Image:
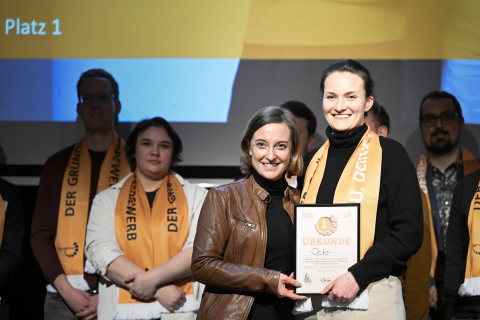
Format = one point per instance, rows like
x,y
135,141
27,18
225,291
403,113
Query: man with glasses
x,y
70,180
438,171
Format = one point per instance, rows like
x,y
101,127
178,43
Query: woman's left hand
x,y
142,287
342,289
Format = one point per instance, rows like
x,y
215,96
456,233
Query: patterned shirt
x,y
444,185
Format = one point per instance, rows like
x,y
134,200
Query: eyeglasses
x,y
429,120
102,97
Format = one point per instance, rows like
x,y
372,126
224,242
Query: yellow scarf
x,y
471,285
359,183
2,219
150,237
74,200
470,164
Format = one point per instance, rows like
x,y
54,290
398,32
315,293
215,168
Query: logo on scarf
x,y
327,226
476,250
70,251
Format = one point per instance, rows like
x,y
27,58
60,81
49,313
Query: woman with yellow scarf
x,y
355,165
141,231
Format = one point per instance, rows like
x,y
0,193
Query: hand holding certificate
x,y
342,289
327,244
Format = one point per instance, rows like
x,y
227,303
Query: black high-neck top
x,y
279,252
151,196
274,188
342,146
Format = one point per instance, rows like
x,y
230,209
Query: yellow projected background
x,y
255,29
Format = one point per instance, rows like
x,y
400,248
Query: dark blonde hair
x,y
266,116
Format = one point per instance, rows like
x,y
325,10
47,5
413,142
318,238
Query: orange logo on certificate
x,y
327,226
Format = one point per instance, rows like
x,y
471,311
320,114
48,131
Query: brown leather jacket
x,y
229,248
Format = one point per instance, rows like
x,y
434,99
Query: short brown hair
x,y
99,73
442,95
300,110
379,115
266,116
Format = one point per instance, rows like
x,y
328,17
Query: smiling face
x,y
441,137
344,101
98,117
153,153
270,149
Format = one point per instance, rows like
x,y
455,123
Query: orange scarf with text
x,y
359,183
74,201
151,237
470,164
471,285
2,219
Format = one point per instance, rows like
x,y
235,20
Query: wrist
x,y
352,276
62,284
155,277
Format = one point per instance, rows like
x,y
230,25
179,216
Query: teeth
x,y
341,116
269,164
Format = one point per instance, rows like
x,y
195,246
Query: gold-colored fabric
x,y
337,52
74,200
470,164
473,254
416,282
151,237
359,183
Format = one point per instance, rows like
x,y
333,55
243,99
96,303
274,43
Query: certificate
x,y
327,239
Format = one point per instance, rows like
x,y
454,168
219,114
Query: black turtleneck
x,y
274,188
399,219
280,230
279,253
342,146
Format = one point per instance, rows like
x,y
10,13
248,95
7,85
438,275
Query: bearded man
x,y
438,171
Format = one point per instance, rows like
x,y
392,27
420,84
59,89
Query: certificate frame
x,y
339,219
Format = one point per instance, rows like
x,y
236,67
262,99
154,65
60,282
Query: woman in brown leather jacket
x,y
244,246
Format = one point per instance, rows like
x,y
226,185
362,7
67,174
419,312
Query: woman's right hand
x,y
286,286
342,289
171,297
